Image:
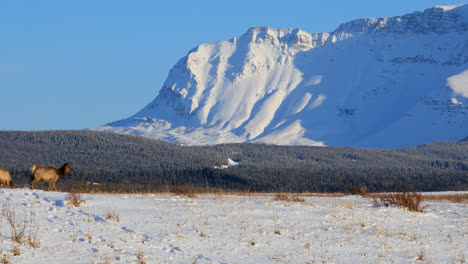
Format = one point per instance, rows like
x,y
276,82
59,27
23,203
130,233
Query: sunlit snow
x,y
228,229
459,83
380,83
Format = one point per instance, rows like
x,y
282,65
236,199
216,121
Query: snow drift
x,y
379,83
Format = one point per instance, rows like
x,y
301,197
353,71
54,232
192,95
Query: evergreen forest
x,y
104,157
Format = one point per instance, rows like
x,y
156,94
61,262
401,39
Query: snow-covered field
x,y
230,229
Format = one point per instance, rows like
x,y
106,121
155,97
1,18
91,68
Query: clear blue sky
x,y
79,64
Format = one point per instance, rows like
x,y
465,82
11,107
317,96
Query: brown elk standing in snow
x,y
48,174
5,178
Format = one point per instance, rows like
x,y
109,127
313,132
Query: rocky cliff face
x,y
386,82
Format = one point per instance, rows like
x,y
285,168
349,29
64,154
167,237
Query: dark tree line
x,y
102,157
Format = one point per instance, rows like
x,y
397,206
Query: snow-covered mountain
x,y
379,83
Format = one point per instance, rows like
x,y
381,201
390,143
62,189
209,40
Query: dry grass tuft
x,y
106,260
74,198
276,230
16,250
185,190
32,238
4,260
286,198
421,256
281,197
141,257
411,201
112,215
359,189
453,198
89,237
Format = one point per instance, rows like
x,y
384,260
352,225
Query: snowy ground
x,y
231,229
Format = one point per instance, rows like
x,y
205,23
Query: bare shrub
x,y
74,198
23,229
411,201
185,190
17,226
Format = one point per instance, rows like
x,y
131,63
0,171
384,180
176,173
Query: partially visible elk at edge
x,y
5,178
48,174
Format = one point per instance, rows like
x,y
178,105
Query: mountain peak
x,y
380,83
282,36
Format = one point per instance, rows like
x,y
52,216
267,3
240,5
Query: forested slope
x,y
100,156
115,158
431,167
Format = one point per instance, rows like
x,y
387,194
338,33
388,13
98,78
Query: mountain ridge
x,y
439,19
371,83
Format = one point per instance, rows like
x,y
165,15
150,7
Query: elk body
x,y
48,174
5,178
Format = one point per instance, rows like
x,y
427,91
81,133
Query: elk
x,y
5,178
48,174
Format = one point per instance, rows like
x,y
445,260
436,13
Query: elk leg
x,y
32,183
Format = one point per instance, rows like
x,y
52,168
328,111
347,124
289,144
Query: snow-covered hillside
x,y
386,82
228,229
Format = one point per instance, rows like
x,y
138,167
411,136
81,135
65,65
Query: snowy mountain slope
x,y
387,82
